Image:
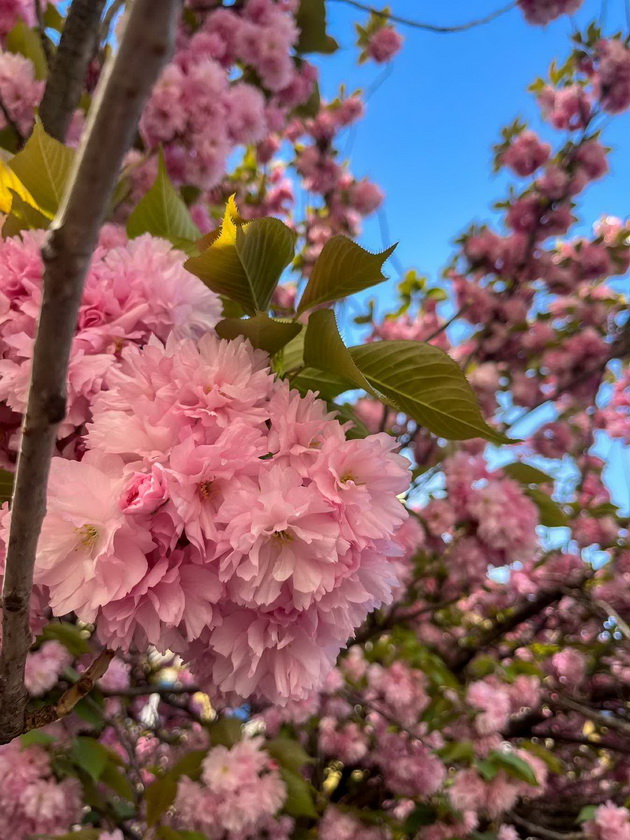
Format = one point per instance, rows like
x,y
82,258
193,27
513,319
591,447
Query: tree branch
x,y
70,698
76,49
540,831
500,627
430,27
111,126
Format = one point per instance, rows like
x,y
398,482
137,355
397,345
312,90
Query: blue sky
x,y
431,121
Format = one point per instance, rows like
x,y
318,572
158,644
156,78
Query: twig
x,y
41,25
430,27
541,831
67,253
69,699
108,19
147,690
67,76
621,624
610,722
446,324
500,627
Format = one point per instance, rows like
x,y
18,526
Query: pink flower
x,y
239,789
89,553
526,153
542,11
384,44
493,703
44,666
609,823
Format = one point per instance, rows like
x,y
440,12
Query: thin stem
x,y
76,50
430,27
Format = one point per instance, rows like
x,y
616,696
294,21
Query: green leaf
x,y
52,18
27,42
288,753
43,166
325,383
526,474
420,816
299,802
69,635
311,21
586,813
6,485
190,765
162,212
36,736
90,755
457,751
159,797
324,350
167,833
551,760
513,765
87,712
342,269
263,332
425,383
245,261
117,781
226,731
551,514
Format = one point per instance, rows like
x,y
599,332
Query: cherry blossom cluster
x,y
239,793
221,515
122,304
32,800
200,115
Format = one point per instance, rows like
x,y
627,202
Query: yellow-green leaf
x,y
43,166
299,801
261,330
245,261
23,216
342,269
27,42
11,185
162,212
324,349
551,514
425,383
90,755
159,797
311,21
526,474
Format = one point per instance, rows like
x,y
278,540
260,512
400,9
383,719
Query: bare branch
x,y
70,698
111,126
430,27
41,25
67,77
514,619
540,831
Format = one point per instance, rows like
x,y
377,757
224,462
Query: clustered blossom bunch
x,y
239,793
199,115
32,800
543,11
122,304
221,515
